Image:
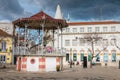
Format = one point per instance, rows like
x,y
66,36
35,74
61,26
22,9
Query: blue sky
x,y
79,10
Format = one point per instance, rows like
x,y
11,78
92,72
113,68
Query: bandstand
x,y
34,43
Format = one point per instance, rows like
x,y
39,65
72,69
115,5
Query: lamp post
x,y
70,57
13,46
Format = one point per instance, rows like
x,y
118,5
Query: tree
x,y
33,38
92,39
115,41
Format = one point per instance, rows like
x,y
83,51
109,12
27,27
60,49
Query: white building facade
x,y
106,50
71,42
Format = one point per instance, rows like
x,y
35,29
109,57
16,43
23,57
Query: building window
x,y
82,29
89,29
82,42
3,48
113,57
113,28
104,29
74,42
2,58
74,57
105,57
74,30
89,56
105,42
67,29
97,29
67,57
67,42
113,42
82,56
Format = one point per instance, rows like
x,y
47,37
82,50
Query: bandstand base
x,y
40,63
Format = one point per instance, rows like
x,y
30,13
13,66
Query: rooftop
x,y
93,23
4,34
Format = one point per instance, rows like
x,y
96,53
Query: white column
x,y
43,25
43,39
25,33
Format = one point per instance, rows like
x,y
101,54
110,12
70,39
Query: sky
x,y
78,10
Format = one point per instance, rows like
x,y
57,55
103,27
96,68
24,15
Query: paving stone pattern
x,y
75,73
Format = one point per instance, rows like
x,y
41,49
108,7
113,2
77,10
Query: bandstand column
x,y
29,43
25,35
38,49
39,45
43,25
43,39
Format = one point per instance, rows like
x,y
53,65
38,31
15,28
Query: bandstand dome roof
x,y
37,20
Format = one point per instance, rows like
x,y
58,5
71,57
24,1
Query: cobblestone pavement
x,y
75,73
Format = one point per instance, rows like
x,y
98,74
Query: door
x,y
85,62
51,64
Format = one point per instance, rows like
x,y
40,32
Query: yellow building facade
x,y
5,47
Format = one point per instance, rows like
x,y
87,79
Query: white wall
x,y
107,35
7,27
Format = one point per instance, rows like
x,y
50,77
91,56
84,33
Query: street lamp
x,y
70,57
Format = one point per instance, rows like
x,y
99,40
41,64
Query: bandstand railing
x,y
20,51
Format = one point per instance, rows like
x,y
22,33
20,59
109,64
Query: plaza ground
x,y
75,73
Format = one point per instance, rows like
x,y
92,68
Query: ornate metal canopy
x,y
36,21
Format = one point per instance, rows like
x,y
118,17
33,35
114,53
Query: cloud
x,y
4,21
11,10
84,9
77,9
